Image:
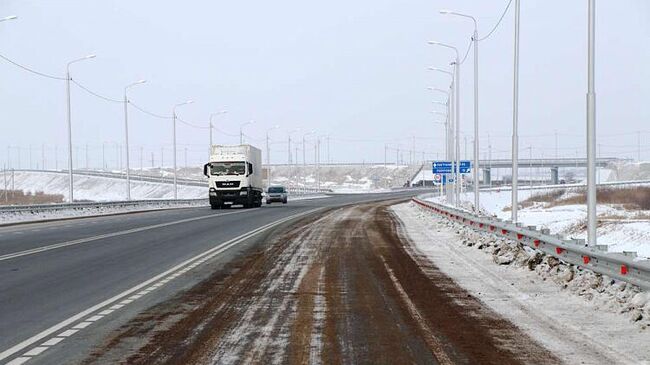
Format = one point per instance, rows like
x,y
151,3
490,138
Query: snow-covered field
x,y
580,317
620,229
94,188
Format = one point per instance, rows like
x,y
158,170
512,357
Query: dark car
x,y
276,194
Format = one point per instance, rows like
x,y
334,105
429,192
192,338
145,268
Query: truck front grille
x,y
227,184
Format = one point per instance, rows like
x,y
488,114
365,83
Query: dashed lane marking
x,y
95,313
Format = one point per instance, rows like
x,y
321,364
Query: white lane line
x,y
53,341
106,312
82,325
68,333
36,351
208,254
109,235
19,361
94,318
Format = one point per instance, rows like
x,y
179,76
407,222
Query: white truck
x,y
235,176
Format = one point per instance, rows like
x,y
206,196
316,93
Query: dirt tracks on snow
x,y
344,287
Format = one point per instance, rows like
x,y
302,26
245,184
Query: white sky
x,y
353,70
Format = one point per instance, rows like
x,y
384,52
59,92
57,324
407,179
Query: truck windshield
x,y
227,168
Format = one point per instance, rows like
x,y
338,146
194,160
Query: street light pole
x,y
476,139
591,127
268,156
212,127
241,131
451,116
126,136
69,118
515,119
174,138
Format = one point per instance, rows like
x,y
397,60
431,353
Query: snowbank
x,y
580,316
620,229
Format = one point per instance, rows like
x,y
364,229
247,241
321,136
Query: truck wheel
x,y
214,206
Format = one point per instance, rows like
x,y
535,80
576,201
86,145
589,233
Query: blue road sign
x,y
446,167
442,167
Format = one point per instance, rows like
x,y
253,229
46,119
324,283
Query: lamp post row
x,y
590,125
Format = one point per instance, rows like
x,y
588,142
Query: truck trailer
x,y
234,176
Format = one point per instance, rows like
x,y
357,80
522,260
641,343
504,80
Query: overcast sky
x,y
354,70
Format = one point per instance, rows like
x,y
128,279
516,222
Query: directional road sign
x,y
446,167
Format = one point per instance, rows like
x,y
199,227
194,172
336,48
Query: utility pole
x,y
556,146
515,119
638,146
329,161
591,126
126,137
174,140
69,119
43,156
103,156
86,156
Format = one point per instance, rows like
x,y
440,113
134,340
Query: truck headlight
x,y
243,192
213,192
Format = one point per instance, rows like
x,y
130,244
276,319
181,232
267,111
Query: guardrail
x,y
622,266
84,205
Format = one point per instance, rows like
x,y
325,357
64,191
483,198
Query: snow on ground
x,y
581,317
625,232
92,188
36,215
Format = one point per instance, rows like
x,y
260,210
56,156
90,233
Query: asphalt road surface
x,y
66,285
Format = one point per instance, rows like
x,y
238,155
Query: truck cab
x,y
234,176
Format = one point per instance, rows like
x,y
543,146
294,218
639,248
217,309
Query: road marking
x,y
35,351
109,235
53,341
19,361
68,333
172,272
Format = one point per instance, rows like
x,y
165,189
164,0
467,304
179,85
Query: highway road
x,y
66,284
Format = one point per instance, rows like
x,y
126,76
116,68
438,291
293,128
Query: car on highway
x,y
276,194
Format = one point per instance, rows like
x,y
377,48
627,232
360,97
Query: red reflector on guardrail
x,y
492,228
559,250
623,270
520,236
586,259
503,231
536,242
480,225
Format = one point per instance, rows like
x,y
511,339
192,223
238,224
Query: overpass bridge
x,y
554,164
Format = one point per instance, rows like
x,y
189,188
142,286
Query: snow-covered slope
x,y
620,229
100,188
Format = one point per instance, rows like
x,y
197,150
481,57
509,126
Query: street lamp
x,y
126,136
304,161
515,120
476,139
68,115
456,83
268,155
174,137
241,130
591,125
212,126
10,17
289,133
